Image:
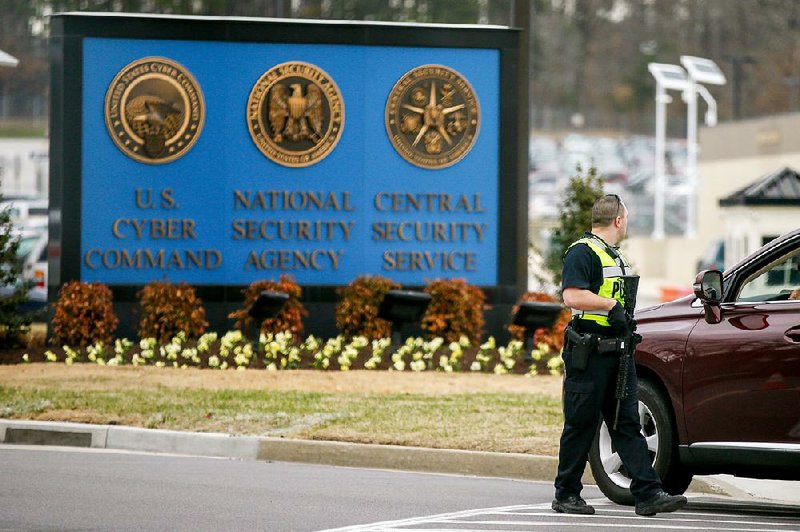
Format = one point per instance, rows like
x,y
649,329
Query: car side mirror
x,y
708,289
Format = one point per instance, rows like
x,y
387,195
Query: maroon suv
x,y
719,377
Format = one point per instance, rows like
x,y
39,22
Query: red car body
x,y
733,385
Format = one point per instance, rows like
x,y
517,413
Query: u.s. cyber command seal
x,y
432,116
154,110
295,114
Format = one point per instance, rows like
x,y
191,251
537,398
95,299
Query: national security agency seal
x,y
432,116
154,110
295,114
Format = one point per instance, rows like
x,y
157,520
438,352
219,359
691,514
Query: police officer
x,y
590,285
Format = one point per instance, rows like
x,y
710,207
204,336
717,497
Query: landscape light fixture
x,y
668,77
267,305
533,315
401,307
700,70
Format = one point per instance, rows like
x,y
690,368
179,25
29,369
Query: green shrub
x,y
84,314
168,309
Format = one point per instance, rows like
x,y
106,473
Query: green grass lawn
x,y
485,420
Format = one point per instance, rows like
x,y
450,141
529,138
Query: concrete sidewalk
x,y
485,464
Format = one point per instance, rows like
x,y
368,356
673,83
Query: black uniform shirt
x,y
583,270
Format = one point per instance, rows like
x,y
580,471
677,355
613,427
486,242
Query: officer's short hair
x,y
606,209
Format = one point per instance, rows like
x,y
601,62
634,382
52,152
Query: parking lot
x,y
702,513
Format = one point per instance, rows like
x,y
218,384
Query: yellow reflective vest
x,y
613,269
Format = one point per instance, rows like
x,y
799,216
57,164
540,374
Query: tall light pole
x,y
668,77
700,70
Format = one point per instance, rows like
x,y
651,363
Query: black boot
x,y
661,503
572,505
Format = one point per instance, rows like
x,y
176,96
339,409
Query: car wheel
x,y
659,431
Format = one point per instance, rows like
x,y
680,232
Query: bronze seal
x,y
432,116
154,110
295,114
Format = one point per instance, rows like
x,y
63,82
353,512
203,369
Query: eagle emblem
x,y
295,114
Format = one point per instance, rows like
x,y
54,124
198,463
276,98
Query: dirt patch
x,y
92,377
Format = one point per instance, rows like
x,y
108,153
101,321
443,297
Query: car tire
x,y
658,429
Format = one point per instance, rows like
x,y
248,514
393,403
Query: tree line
x,y
587,56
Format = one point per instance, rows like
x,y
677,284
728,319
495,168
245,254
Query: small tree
x,y
14,289
575,218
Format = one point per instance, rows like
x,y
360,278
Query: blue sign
x,y
223,213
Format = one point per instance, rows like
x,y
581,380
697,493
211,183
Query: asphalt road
x,y
46,488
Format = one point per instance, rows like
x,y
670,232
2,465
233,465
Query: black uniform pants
x,y
588,394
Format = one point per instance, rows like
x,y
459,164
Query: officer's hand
x,y
619,320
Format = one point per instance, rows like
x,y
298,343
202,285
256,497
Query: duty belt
x,y
603,345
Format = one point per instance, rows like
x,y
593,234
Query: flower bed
x,y
283,351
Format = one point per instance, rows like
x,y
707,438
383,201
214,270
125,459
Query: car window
x,y
777,281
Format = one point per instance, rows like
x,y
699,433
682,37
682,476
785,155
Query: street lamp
x,y
668,77
8,60
706,71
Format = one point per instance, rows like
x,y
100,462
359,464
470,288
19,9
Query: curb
x,y
448,461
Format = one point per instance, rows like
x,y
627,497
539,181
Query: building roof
x,y
780,188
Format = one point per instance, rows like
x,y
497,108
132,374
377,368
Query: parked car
x,y
719,377
713,258
32,254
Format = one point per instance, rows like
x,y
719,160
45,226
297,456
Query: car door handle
x,y
793,334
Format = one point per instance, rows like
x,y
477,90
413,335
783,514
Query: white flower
x,y
448,368
272,367
326,362
399,365
213,361
418,365
50,356
26,358
476,366
489,344
68,361
464,341
160,364
241,368
500,369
